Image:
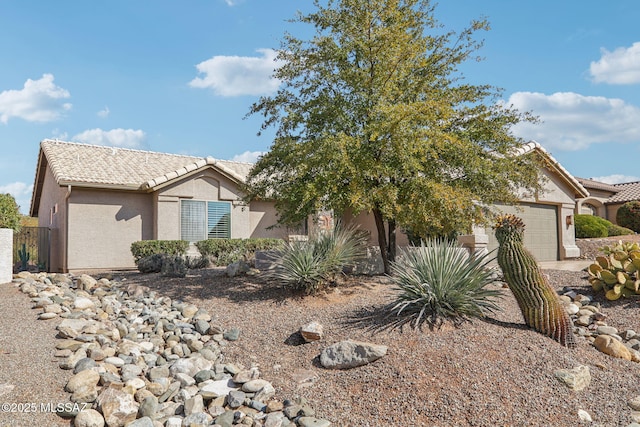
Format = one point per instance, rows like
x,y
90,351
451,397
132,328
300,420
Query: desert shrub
x,y
173,266
311,265
223,252
629,216
590,226
9,212
197,262
616,230
145,248
439,281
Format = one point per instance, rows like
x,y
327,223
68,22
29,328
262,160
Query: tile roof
x,y
627,192
597,185
112,167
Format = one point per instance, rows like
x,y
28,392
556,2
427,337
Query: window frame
x,y
206,218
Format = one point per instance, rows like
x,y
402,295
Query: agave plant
x,y
439,281
311,265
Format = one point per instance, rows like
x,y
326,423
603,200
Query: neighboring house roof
x,y
98,166
627,192
597,185
554,166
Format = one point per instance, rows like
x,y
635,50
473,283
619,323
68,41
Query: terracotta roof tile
x,y
597,185
626,192
96,165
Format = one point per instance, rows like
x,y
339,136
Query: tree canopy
x,y
374,116
9,212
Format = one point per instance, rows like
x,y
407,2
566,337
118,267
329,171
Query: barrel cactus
x,y
537,300
616,271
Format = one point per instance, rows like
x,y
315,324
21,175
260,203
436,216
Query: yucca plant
x,y
311,265
440,281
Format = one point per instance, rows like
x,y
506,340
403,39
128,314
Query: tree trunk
x,y
382,240
391,250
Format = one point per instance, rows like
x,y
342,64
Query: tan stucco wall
x,y
52,213
263,215
102,226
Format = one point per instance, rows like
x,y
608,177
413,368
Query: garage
x,y
541,229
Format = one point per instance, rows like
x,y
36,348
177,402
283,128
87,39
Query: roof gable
x,y
554,166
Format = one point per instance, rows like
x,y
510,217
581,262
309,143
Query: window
x,y
201,220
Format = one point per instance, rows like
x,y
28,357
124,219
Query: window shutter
x,y
219,220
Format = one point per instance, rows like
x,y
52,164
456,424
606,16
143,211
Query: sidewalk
x,y
569,265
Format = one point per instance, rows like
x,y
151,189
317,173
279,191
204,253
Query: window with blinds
x,y
201,220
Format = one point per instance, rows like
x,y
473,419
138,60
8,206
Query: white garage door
x,y
541,229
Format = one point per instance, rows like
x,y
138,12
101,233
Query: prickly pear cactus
x,y
616,272
538,301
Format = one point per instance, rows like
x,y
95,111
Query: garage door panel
x,y
541,229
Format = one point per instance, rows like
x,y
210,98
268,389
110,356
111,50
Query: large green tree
x,y
374,116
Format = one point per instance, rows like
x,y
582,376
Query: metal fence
x,y
31,249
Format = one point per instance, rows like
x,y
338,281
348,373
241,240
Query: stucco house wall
x,y
102,226
262,219
98,200
52,213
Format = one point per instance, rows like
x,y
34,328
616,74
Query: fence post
x,y
6,255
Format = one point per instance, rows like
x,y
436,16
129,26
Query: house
x,y
604,200
97,200
548,216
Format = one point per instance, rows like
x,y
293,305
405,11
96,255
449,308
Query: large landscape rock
x,y
576,379
351,354
611,346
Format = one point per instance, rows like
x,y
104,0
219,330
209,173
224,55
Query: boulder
x,y
117,406
611,346
88,418
350,354
576,379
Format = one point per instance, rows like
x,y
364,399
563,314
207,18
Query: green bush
x,y
440,281
223,252
629,216
591,226
9,212
313,264
616,230
145,248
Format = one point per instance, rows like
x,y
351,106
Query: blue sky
x,y
179,77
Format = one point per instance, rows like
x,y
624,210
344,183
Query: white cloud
x,y
570,121
616,179
126,138
239,75
620,67
104,113
38,101
21,192
232,2
248,156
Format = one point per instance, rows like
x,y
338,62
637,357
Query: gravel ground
x,y
493,372
27,362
